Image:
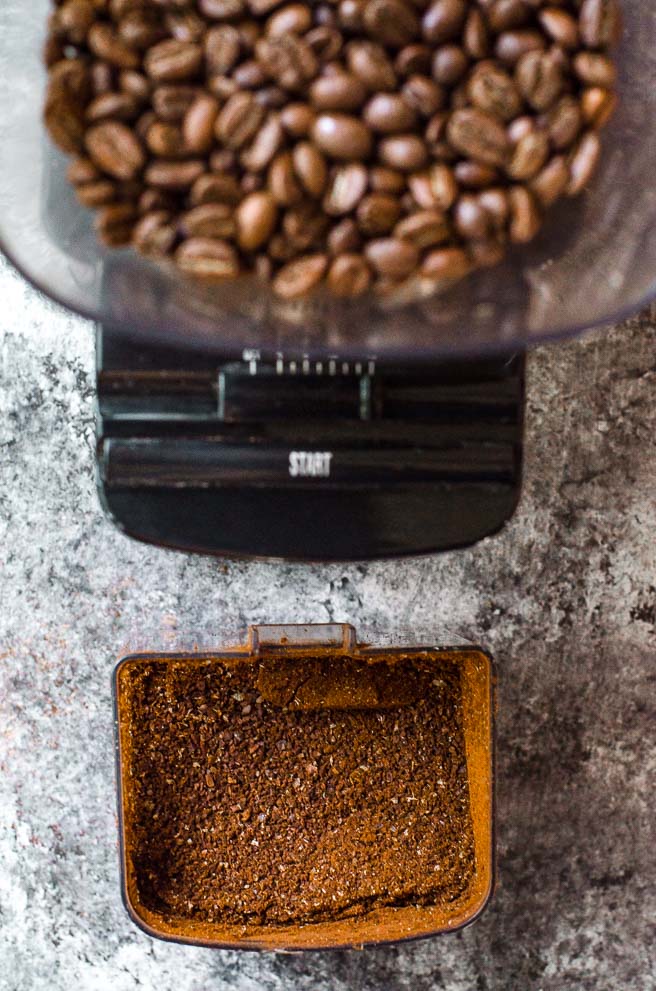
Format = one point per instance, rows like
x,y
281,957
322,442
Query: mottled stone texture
x,y
565,598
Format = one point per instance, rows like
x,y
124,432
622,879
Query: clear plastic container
x,y
277,645
594,263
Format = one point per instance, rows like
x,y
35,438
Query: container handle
x,y
270,637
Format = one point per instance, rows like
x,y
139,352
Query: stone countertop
x,y
565,598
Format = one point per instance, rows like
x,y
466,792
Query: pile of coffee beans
x,y
360,143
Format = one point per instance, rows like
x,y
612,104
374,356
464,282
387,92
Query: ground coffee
x,y
249,801
349,142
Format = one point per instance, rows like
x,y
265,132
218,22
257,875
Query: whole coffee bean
x,y
492,90
266,143
595,69
325,42
342,137
494,201
471,220
293,17
598,105
560,26
207,258
524,215
583,162
550,183
300,276
239,120
504,15
529,156
199,123
288,60
349,275
478,135
413,59
347,186
369,62
474,175
101,192
389,113
350,15
256,220
74,20
449,64
424,229
185,25
599,23
539,79
222,10
114,148
249,75
173,61
154,235
476,36
385,180
120,106
511,45
444,187
215,220
563,122
304,226
392,256
446,264
141,29
282,181
310,167
173,175
251,182
339,91
222,47
405,152
443,20
297,119
171,103
115,224
135,85
215,189
105,42
377,214
391,22
520,127
81,171
166,140
423,95
344,237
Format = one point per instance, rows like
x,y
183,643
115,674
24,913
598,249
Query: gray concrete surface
x,y
565,597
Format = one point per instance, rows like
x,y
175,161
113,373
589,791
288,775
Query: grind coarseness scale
x,y
229,423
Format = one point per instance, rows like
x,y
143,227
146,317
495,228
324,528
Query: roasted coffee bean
x,y
476,35
503,15
154,235
478,135
539,79
391,22
215,189
405,152
256,219
563,122
595,69
209,220
511,45
239,120
199,123
173,61
173,175
389,113
583,162
344,237
282,180
446,264
207,258
444,187
495,203
369,62
141,29
249,75
135,84
342,137
350,15
310,167
423,95
349,275
81,171
492,90
166,140
392,256
524,215
99,193
288,60
266,143
529,156
560,26
520,127
385,180
443,20
599,23
347,186
338,91
297,119
377,214
185,25
424,229
598,105
470,218
171,103
550,183
222,47
222,10
117,106
293,17
300,277
304,226
114,148
105,42
449,64
413,59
